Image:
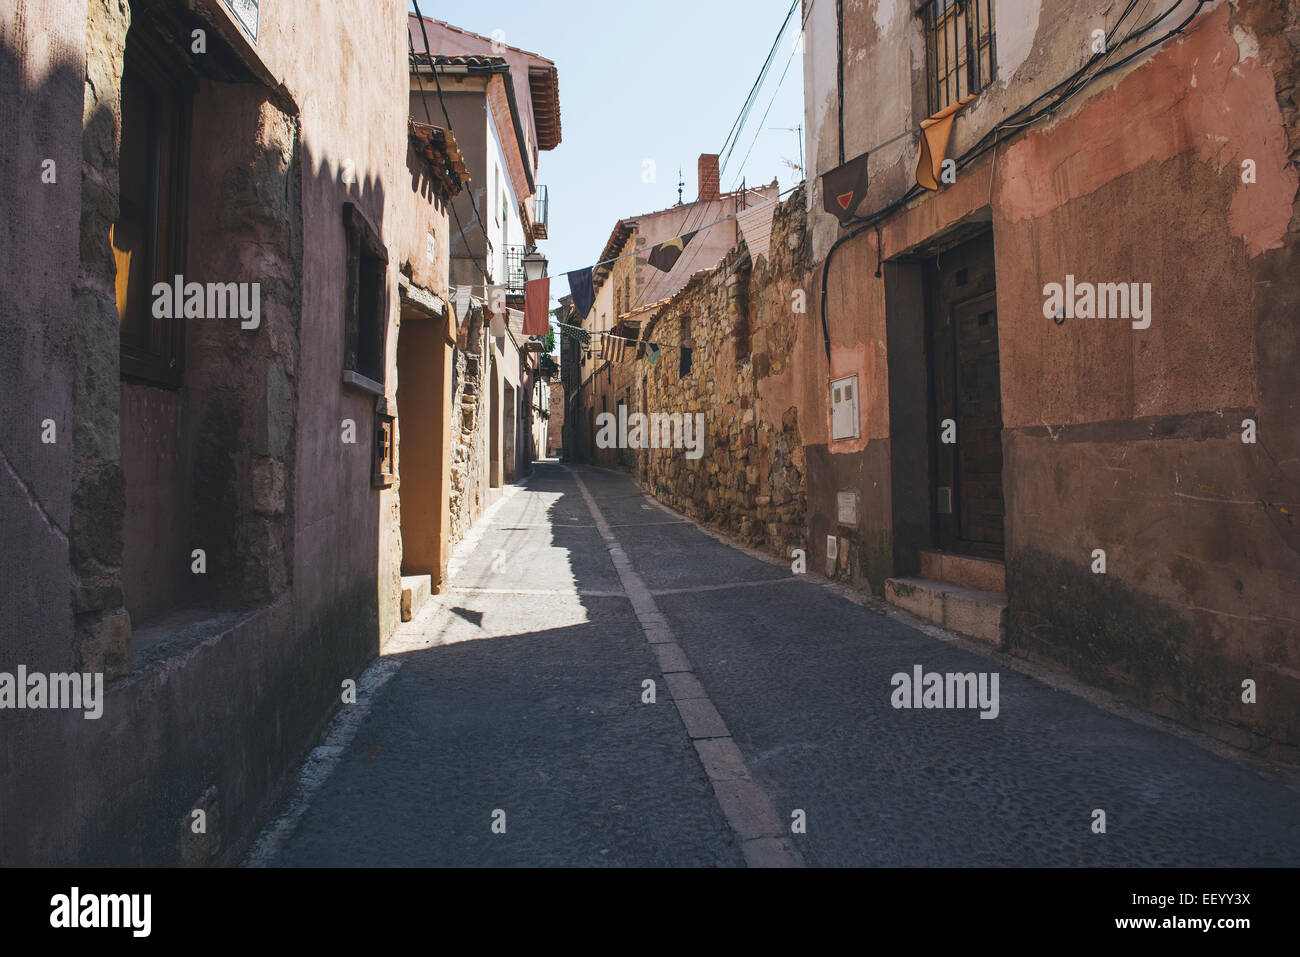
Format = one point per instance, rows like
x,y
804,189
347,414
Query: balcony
x,y
540,230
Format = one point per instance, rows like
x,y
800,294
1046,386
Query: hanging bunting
x,y
652,353
844,187
537,301
664,256
934,143
756,224
462,295
583,292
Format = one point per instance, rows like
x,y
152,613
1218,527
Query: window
x,y
148,238
365,303
844,408
953,28
684,363
624,292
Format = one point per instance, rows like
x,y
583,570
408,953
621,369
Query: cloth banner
x,y
934,143
756,224
844,187
463,301
664,256
582,291
615,348
537,307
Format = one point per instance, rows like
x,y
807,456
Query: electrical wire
x,y
993,138
428,55
763,121
637,252
734,134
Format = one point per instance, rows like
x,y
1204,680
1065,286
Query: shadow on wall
x,y
251,466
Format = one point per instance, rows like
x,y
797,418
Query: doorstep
x,y
984,574
416,590
973,612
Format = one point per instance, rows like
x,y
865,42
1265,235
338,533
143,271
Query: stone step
x,y
984,574
416,590
969,611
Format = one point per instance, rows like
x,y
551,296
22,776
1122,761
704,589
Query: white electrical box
x,y
844,408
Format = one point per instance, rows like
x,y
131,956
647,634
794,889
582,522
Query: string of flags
x,y
617,348
845,187
843,190
755,223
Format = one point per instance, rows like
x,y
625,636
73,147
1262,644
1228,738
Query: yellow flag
x,y
934,143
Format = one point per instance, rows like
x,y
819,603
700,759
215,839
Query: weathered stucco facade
x,y
227,554
746,477
1177,169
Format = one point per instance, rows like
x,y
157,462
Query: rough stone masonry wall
x,y
95,539
470,429
555,424
740,322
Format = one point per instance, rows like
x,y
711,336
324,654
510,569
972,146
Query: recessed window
x,y
366,304
844,408
148,238
684,362
960,49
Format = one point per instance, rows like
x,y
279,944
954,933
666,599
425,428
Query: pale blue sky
x,y
661,81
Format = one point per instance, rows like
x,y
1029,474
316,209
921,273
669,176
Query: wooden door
x,y
966,390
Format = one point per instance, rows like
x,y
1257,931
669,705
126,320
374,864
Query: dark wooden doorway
x,y
966,388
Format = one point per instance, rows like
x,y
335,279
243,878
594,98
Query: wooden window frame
x,y
160,358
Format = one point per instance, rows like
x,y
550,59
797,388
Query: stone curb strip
x,y
748,809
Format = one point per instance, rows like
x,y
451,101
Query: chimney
x,y
709,179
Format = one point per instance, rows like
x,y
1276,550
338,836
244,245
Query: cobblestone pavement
x,y
520,691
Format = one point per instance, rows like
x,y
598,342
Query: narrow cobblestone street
x,y
520,690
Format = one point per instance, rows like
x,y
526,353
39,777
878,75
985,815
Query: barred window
x,y
954,28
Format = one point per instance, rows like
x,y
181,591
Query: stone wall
x,y
1128,440
555,424
218,712
740,321
470,427
103,628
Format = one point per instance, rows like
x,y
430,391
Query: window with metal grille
x,y
516,278
961,53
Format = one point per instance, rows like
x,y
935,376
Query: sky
x,y
661,82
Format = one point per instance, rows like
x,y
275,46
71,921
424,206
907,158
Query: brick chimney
x,y
709,179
